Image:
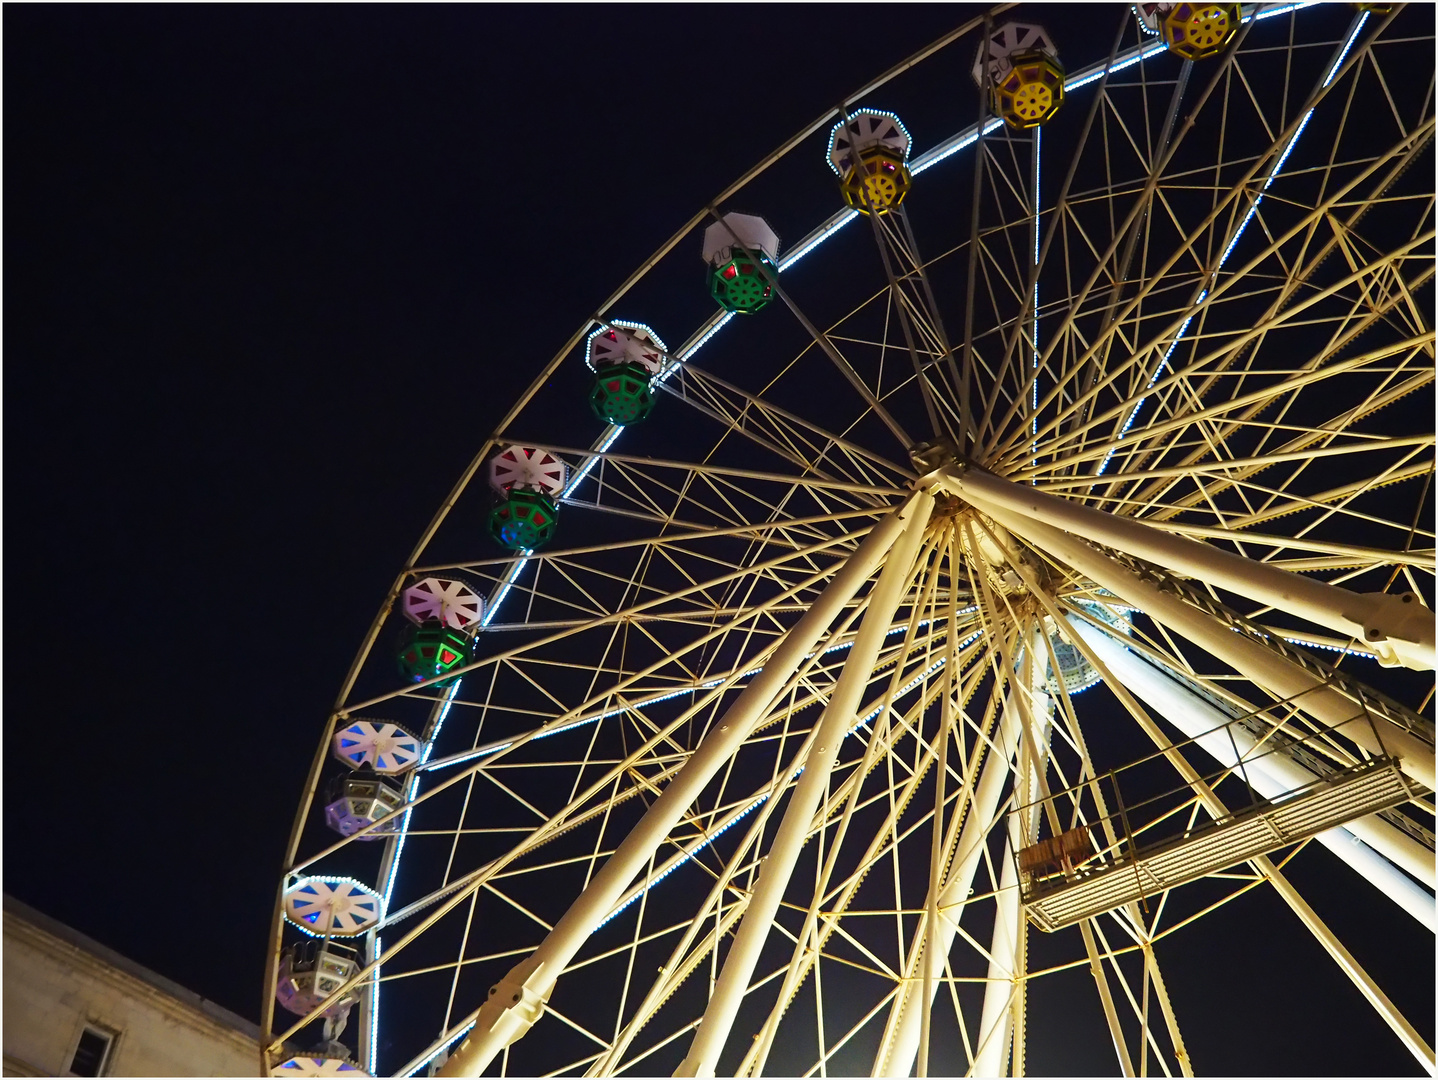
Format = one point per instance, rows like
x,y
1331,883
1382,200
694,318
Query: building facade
x,y
72,1007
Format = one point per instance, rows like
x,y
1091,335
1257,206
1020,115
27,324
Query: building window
x,y
92,1053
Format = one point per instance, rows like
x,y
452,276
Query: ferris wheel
x,y
1024,558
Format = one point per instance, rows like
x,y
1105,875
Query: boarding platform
x,y
1139,850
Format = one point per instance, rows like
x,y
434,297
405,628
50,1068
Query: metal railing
x,y
1122,817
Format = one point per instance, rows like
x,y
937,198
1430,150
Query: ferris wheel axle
x,y
1400,630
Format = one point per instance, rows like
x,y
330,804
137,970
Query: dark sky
x,y
272,274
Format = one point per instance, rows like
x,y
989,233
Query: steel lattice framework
x,y
783,755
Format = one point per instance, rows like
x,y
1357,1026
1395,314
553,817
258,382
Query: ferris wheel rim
x,y
519,560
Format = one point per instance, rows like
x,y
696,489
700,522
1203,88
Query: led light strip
x,y
834,134
449,1041
412,789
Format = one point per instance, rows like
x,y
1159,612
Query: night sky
x,y
272,275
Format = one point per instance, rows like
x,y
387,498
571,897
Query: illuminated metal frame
x,y
712,327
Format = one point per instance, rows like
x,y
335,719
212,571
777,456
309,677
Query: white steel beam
x,y
517,1000
1251,659
1398,630
778,866
995,1032
1270,774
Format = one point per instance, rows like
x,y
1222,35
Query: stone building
x,y
75,1008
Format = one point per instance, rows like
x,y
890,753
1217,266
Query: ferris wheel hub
x,y
930,457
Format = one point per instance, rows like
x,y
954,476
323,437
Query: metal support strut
x,y
1000,499
778,867
1399,629
517,1001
